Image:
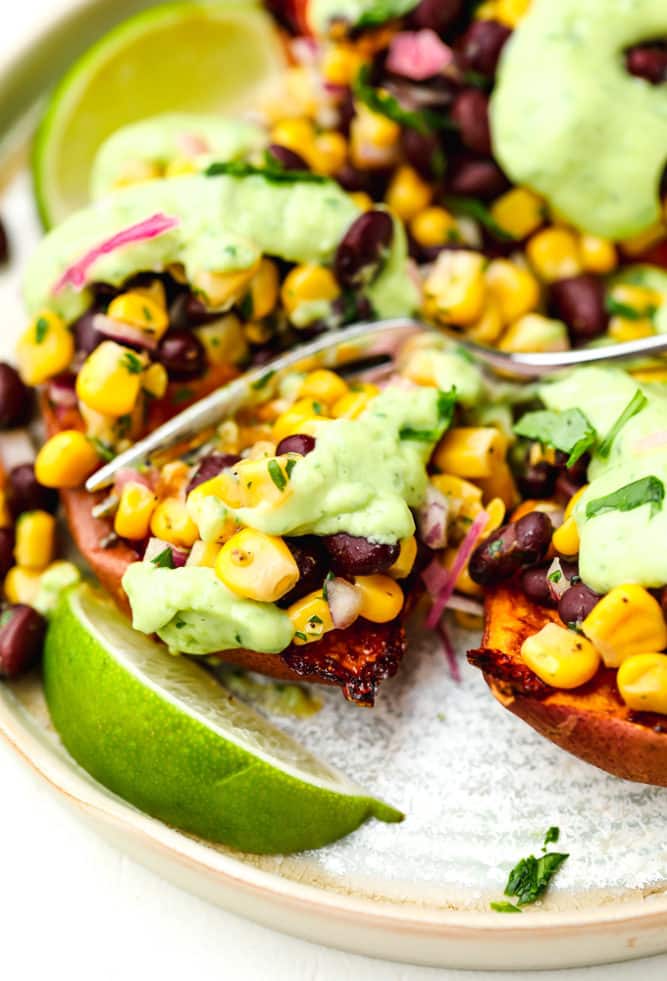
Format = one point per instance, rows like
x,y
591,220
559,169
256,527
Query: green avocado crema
x,y
221,224
163,139
569,121
357,13
618,547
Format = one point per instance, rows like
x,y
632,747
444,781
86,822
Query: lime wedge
x,y
163,734
180,57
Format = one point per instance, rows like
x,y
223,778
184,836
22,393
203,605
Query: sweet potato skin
x,y
591,722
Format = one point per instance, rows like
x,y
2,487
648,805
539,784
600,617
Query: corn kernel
x,y
173,478
170,521
223,340
257,566
470,451
642,682
290,422
402,567
488,328
463,498
518,212
221,290
306,284
138,172
623,329
374,139
35,539
434,226
487,10
145,309
295,134
264,288
155,380
500,485
44,349
328,153
340,64
352,405
135,510
627,621
203,554
454,289
598,255
574,500
22,585
560,657
258,332
551,508
554,254
66,460
311,618
641,301
323,386
534,332
381,598
180,166
514,288
408,193
362,200
566,538
511,12
110,379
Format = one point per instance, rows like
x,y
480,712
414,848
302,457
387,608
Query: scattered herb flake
x,y
418,435
103,450
148,316
635,405
568,431
300,635
646,490
237,639
5,617
277,175
551,837
423,120
315,619
289,466
132,363
276,475
246,306
264,380
505,907
617,309
41,329
182,395
165,560
179,624
459,204
530,877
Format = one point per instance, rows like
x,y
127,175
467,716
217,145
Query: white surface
x,y
71,905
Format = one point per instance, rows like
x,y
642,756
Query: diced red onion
x,y
559,583
418,55
123,333
62,391
464,552
75,275
304,50
156,546
192,144
432,519
344,601
654,441
448,651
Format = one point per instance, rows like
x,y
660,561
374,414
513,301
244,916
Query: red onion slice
x,y
432,519
156,546
466,549
557,582
448,651
344,602
62,391
115,330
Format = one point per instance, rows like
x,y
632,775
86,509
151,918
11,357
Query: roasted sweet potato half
x,y
356,659
591,722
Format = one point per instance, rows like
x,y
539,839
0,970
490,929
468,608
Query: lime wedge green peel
x,y
163,734
180,57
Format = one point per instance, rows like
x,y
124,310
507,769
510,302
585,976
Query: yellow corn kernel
x,y
434,226
264,288
311,618
627,621
35,539
110,379
598,255
515,289
470,451
574,500
534,332
155,380
66,460
22,585
626,329
566,538
551,508
258,332
221,290
639,243
138,172
145,309
223,340
257,566
374,138
295,134
408,193
490,325
641,300
518,212
328,153
402,567
487,10
263,481
500,485
362,200
352,405
464,583
454,289
511,12
324,386
340,64
135,510
308,283
464,499
180,166
203,554
554,254
656,375
44,349
560,657
290,422
170,521
173,478
642,682
381,598
496,511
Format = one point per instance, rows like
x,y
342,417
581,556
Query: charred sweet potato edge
x,y
592,722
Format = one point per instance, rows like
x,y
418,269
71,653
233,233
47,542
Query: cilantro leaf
x,y
617,309
103,450
459,204
424,121
504,907
552,836
382,11
289,466
133,364
276,475
646,490
165,560
530,877
568,431
635,405
270,172
445,407
264,380
41,329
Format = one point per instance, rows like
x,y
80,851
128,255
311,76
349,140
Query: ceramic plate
x,y
478,787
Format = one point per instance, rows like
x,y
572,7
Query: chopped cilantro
x,y
246,306
289,466
646,490
617,309
182,395
555,576
325,585
264,380
635,405
270,172
495,547
237,638
41,329
504,907
552,836
103,450
147,314
179,624
300,635
132,363
530,877
276,475
123,425
423,120
459,204
315,619
165,560
569,431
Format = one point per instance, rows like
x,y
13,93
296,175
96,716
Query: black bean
x,y
533,535
4,244
476,177
470,112
298,443
511,547
537,480
424,151
352,179
21,639
535,585
576,603
437,15
313,563
481,45
353,556
362,247
580,302
25,493
287,158
15,398
649,62
6,550
182,354
566,486
210,466
86,336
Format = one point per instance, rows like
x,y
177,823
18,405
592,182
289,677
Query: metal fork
x,y
346,347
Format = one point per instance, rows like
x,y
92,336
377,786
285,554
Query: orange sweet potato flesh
x,y
356,659
592,722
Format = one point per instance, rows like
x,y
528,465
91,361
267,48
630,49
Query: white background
x,y
72,907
